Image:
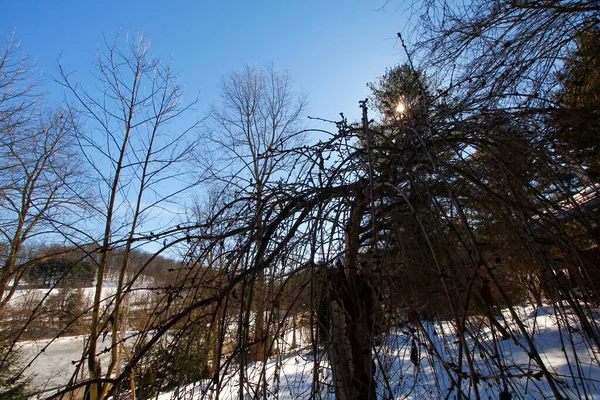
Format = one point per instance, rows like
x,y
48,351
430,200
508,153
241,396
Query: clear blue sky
x,y
331,48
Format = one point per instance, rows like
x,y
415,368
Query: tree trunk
x,y
350,320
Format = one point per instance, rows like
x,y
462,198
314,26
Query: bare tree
x,y
258,117
41,181
500,52
140,158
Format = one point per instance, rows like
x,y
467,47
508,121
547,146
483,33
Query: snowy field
x,y
51,361
564,349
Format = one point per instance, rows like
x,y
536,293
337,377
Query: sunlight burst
x,y
400,107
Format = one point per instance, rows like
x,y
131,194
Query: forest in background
x,y
469,188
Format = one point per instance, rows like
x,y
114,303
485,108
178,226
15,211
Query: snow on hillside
x,y
26,296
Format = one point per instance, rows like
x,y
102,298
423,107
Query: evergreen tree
x,y
578,116
12,385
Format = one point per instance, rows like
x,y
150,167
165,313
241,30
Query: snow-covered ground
x,y
500,365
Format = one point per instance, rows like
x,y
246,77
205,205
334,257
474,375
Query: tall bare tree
x,y
140,157
258,117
